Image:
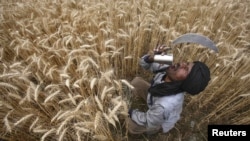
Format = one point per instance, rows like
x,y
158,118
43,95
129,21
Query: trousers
x,y
141,90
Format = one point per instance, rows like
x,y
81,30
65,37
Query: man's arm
x,y
147,64
153,118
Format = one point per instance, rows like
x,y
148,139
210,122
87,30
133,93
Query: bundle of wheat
x,y
65,65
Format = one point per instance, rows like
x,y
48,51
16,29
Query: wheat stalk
x,y
6,122
115,109
37,92
92,82
99,104
56,116
71,98
51,96
100,137
60,128
97,121
23,119
110,119
15,96
62,134
78,136
127,83
84,130
34,123
53,130
3,84
40,131
75,55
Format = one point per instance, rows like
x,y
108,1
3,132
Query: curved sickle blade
x,y
196,38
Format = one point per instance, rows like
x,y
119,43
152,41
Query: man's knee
x,y
136,80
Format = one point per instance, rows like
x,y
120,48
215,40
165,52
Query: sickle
x,y
196,38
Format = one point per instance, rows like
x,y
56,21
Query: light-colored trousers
x,y
141,89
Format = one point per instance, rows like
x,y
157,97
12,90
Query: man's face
x,y
179,71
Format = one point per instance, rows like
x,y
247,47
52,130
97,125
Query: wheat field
x,y
65,65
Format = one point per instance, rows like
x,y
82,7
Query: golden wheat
x,y
99,104
62,134
6,122
109,119
82,129
7,85
34,123
66,65
38,130
48,133
114,110
127,83
56,116
23,119
100,137
98,119
63,125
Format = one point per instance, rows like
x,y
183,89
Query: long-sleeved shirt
x,y
162,111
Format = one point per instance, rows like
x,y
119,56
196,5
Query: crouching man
x,y
165,94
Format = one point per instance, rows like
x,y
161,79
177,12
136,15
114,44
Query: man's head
x,y
194,76
179,71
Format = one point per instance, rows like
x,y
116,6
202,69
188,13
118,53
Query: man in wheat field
x,y
165,94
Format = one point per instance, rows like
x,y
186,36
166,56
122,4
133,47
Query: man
x,y
165,94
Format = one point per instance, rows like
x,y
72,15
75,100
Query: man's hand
x,y
161,49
